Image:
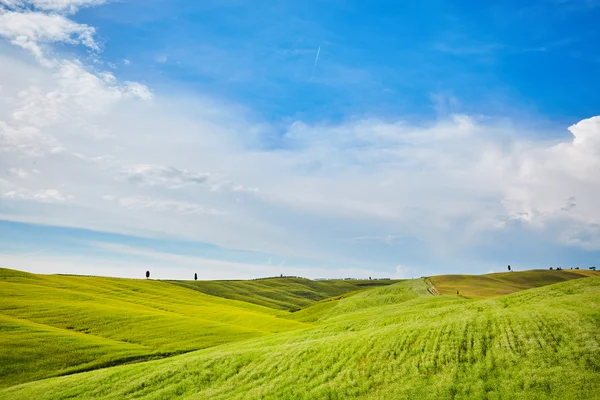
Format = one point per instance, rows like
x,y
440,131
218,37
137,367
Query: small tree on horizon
x,y
195,276
147,274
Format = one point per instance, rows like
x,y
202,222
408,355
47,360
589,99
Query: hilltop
x,y
498,284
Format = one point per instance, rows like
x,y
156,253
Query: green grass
x,y
69,323
499,284
289,294
33,351
393,342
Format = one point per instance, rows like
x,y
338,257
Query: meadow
x,y
289,294
540,341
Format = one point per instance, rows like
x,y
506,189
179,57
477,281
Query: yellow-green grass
x,y
289,294
542,343
31,351
358,301
68,323
499,284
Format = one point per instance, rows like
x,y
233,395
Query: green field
x,y
541,341
289,294
498,284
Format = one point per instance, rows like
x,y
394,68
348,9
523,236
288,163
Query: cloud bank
x,y
80,148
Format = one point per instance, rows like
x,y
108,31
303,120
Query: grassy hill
x,y
498,284
392,342
63,324
281,293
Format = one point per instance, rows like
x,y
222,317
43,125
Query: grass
x,y
499,284
70,323
24,344
394,342
289,294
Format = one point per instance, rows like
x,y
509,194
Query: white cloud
x,y
389,240
66,6
22,172
27,141
74,96
175,178
161,205
165,176
31,29
43,196
136,89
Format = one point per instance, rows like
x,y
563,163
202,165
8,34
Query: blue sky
x,y
184,136
381,58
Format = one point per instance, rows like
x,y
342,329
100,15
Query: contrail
x,y
316,61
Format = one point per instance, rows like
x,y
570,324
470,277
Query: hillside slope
x,y
53,324
281,293
541,343
359,301
498,284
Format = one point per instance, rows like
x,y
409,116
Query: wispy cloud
x,y
469,49
43,196
161,205
60,6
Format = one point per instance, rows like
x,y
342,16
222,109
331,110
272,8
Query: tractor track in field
x,y
430,288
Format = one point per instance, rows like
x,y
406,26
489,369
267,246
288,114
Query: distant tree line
x,y
280,276
352,279
322,279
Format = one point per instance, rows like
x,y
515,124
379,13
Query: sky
x,y
332,139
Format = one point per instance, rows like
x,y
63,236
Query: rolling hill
x,y
92,322
289,294
396,341
498,284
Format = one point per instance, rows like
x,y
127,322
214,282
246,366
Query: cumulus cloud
x,y
75,96
30,30
136,89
